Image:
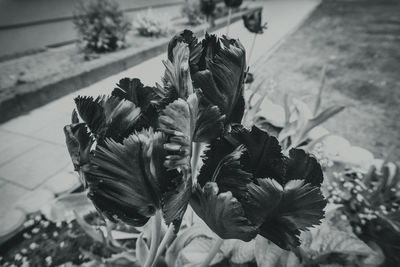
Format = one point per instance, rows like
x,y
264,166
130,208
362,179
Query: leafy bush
x,y
371,203
101,25
150,24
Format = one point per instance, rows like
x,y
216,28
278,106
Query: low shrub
x,y
191,10
101,25
149,24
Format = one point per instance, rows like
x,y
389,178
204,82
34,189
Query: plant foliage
x,y
101,25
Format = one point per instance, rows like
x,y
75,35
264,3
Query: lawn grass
x,y
359,43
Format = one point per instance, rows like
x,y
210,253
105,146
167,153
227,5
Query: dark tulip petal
x,y
78,142
195,48
303,166
91,112
175,200
221,75
253,21
109,116
188,121
222,213
114,210
125,173
145,97
264,156
207,7
222,165
287,210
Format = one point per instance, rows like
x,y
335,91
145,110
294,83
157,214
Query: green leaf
x,y
62,208
238,251
267,254
335,246
142,250
123,259
286,209
314,122
95,234
191,247
222,213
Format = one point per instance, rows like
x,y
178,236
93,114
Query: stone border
x,y
38,93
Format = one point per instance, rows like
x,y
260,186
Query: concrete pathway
x,y
34,163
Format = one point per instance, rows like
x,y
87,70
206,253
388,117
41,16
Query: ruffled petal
x,y
222,212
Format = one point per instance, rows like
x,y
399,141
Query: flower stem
x,y
229,21
214,250
164,242
251,49
155,237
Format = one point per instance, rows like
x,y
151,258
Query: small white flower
x,y
24,251
48,260
35,230
55,234
38,218
62,244
18,257
26,236
45,224
29,223
33,245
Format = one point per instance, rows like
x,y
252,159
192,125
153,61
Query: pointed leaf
x,y
142,250
62,208
268,254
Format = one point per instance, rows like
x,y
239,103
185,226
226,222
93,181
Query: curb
x,y
43,91
66,18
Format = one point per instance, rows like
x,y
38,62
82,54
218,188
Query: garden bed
x,y
31,81
357,41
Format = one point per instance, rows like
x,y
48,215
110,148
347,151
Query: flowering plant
x,y
138,150
101,25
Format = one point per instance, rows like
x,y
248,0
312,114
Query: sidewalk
x,y
34,162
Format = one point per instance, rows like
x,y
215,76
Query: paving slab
x,y
34,167
9,196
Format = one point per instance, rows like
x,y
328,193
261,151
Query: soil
x,y
358,42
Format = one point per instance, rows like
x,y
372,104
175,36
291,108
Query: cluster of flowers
x,y
134,151
368,198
